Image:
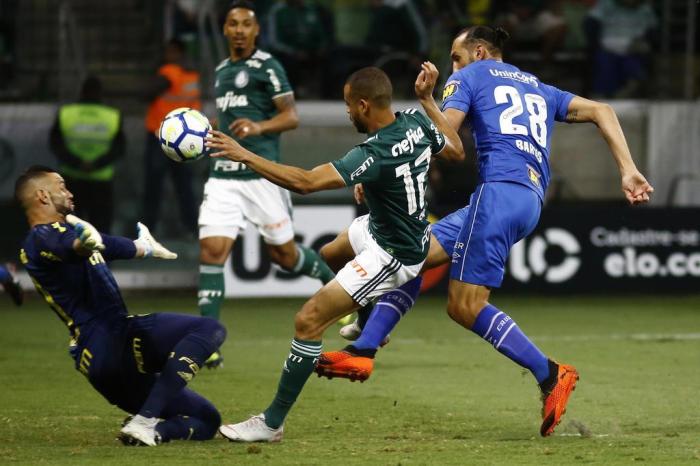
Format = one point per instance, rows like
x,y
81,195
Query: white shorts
x,y
228,204
373,271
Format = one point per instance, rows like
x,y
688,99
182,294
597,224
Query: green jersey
x,y
392,165
246,89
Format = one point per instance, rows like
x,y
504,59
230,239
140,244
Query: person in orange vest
x,y
174,86
87,138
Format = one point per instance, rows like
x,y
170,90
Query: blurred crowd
x,y
599,48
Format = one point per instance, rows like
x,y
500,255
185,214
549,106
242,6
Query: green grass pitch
x,y
438,396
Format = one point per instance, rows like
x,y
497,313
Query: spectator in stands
x,y
536,24
620,37
397,26
399,40
300,34
8,13
87,139
175,85
185,19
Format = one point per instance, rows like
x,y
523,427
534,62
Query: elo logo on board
x,y
529,258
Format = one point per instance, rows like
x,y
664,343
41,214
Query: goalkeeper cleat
x,y
554,400
344,365
140,431
252,430
215,361
348,319
352,332
13,288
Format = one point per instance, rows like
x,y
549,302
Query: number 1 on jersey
x,y
405,172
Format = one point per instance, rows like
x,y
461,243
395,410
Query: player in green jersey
x,y
379,251
254,103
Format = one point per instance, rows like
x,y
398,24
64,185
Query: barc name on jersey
x,y
515,75
413,136
530,148
231,100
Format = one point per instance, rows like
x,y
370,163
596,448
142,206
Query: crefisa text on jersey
x,y
231,100
407,144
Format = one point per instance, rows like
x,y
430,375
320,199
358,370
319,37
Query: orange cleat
x,y
554,402
344,365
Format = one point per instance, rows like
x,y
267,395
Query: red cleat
x,y
344,365
554,402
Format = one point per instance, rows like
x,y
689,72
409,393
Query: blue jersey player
x,y
141,364
511,115
10,284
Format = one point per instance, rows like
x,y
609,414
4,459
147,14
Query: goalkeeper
x,y
142,363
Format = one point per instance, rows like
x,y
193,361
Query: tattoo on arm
x,y
284,102
572,116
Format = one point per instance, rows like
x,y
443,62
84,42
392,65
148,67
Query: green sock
x,y
309,263
297,369
211,290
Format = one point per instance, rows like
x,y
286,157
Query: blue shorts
x,y
480,235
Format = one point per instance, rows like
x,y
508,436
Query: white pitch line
x,y
622,336
691,336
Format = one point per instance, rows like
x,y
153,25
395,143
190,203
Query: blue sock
x,y
503,333
189,416
387,313
5,276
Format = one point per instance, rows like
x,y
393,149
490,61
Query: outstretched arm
x,y
89,240
292,178
635,187
424,86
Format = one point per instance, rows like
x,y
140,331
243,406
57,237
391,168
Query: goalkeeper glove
x,y
87,234
149,245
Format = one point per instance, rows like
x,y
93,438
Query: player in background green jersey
x,y
379,251
254,103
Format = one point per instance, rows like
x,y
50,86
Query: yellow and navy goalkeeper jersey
x,y
80,290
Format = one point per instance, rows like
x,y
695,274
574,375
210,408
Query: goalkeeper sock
x,y
297,369
309,263
499,329
211,290
184,362
189,416
387,313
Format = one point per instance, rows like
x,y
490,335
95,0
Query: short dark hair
x,y
31,173
246,4
371,84
494,37
91,89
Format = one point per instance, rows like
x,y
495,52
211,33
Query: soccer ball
x,y
182,134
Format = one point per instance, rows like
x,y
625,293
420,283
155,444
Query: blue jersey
x,y
511,114
80,290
